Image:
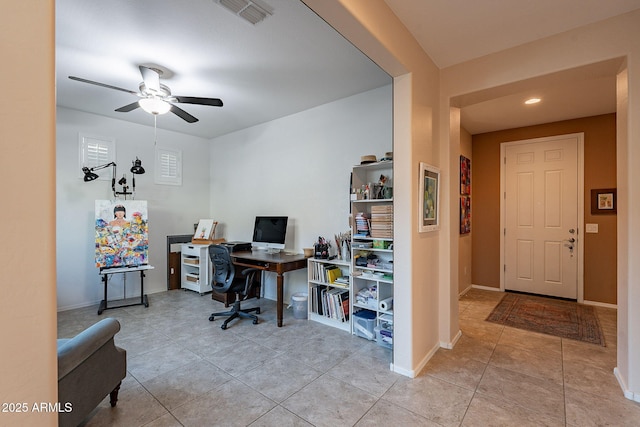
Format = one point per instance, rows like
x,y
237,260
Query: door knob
x,y
572,230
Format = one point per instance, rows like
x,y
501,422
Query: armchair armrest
x,y
76,350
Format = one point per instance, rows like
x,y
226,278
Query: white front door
x,y
541,216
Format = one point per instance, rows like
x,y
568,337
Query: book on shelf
x,y
382,234
327,273
382,209
332,273
342,280
329,302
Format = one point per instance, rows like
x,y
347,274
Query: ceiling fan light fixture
x,y
154,105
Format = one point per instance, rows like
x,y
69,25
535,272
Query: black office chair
x,y
225,281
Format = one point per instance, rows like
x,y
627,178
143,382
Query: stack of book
x,y
382,221
362,224
330,302
328,273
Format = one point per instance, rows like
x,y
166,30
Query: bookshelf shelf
x,y
372,287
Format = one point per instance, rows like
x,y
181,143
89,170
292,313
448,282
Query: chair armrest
x,y
77,349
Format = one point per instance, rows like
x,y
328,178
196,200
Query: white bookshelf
x,y
326,299
372,250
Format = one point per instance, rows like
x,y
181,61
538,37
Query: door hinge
x,y
505,160
504,267
504,232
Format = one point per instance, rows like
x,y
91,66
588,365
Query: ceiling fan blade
x,y
102,84
215,102
128,108
151,79
183,114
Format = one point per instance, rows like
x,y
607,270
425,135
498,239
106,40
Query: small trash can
x,y
299,304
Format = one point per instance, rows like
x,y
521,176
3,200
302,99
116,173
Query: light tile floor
x,y
185,371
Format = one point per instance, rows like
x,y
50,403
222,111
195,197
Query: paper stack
x,y
382,221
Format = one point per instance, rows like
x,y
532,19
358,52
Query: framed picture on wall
x,y
465,175
465,214
604,201
429,198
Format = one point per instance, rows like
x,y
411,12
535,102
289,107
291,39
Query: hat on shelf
x,y
368,159
387,156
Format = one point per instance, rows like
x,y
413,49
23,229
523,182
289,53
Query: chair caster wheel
x,y
211,318
223,327
258,310
255,322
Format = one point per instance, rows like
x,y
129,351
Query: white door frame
x,y
580,233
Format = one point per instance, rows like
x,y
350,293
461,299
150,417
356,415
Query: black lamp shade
x,y
137,167
88,175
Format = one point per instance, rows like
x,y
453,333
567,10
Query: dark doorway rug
x,y
565,319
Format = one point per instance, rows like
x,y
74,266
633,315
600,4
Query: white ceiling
x,y
294,61
456,31
288,63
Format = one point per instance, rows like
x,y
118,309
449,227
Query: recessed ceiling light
x,y
532,101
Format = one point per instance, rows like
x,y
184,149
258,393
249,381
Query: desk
x,y
278,263
105,278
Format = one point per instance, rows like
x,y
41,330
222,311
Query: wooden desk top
x,y
264,256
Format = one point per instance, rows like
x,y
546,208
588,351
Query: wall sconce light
x,y
136,169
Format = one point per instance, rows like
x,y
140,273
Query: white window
x,y
168,167
96,151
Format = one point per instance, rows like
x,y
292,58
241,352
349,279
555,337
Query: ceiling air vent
x,y
252,11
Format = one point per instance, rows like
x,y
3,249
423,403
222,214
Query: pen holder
x,y
321,250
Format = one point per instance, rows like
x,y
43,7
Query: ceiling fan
x,y
156,98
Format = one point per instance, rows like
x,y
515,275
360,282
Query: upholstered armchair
x,y
90,366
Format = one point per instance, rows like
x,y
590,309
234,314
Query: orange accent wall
x,y
600,258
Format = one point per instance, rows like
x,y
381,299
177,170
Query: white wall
x,y
298,166
172,209
612,38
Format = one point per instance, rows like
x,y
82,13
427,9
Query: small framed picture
x,y
429,198
465,214
465,175
604,201
205,230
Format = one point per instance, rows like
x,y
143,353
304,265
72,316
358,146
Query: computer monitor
x,y
269,232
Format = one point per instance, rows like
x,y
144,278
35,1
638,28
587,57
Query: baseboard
x,y
600,304
452,343
486,288
81,305
627,393
412,373
97,302
468,288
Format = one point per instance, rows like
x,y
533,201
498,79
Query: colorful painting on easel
x,y
122,233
